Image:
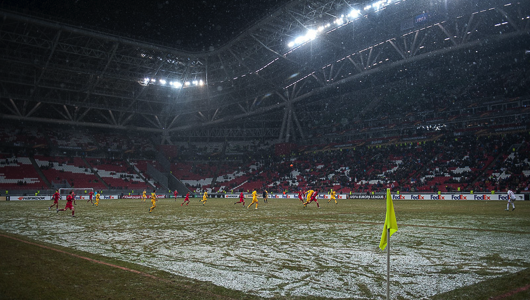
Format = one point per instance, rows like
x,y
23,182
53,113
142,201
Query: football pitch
x,y
282,250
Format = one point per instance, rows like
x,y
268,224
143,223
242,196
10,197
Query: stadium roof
x,y
262,79
186,25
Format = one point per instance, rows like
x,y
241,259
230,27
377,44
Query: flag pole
x,y
389,228
388,265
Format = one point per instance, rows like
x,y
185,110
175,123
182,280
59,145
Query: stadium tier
x,y
140,167
18,173
446,164
68,172
117,174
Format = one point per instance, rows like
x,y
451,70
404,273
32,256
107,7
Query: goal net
x,y
79,192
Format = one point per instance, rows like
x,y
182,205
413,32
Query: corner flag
x,y
390,221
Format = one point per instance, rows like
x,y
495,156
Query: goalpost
x,y
77,191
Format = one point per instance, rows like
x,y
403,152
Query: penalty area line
x,y
110,265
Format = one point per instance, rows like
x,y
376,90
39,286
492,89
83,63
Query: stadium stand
x,y
117,174
68,172
439,162
140,167
18,173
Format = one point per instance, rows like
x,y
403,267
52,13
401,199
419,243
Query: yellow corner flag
x,y
390,221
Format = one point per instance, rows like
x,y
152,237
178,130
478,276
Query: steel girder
x,y
228,133
52,72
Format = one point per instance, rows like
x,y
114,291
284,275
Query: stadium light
x,y
144,82
311,34
339,21
299,40
355,13
174,84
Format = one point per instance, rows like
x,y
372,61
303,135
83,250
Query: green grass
x,y
33,272
281,250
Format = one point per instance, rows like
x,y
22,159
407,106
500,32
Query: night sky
x,y
196,25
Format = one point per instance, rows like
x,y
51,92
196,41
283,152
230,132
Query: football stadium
x,y
302,149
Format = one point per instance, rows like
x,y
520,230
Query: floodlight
x,y
311,34
195,82
162,81
290,45
299,40
354,13
201,83
153,80
377,5
177,84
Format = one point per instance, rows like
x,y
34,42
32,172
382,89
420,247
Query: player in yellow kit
x,y
314,198
144,196
309,193
98,196
153,201
254,199
204,197
332,196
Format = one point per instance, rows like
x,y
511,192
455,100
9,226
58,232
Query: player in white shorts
x,y
511,199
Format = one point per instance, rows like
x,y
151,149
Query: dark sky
x,y
189,25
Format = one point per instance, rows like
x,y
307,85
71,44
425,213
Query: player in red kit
x,y
241,199
175,193
301,196
69,199
314,198
186,199
55,198
90,194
